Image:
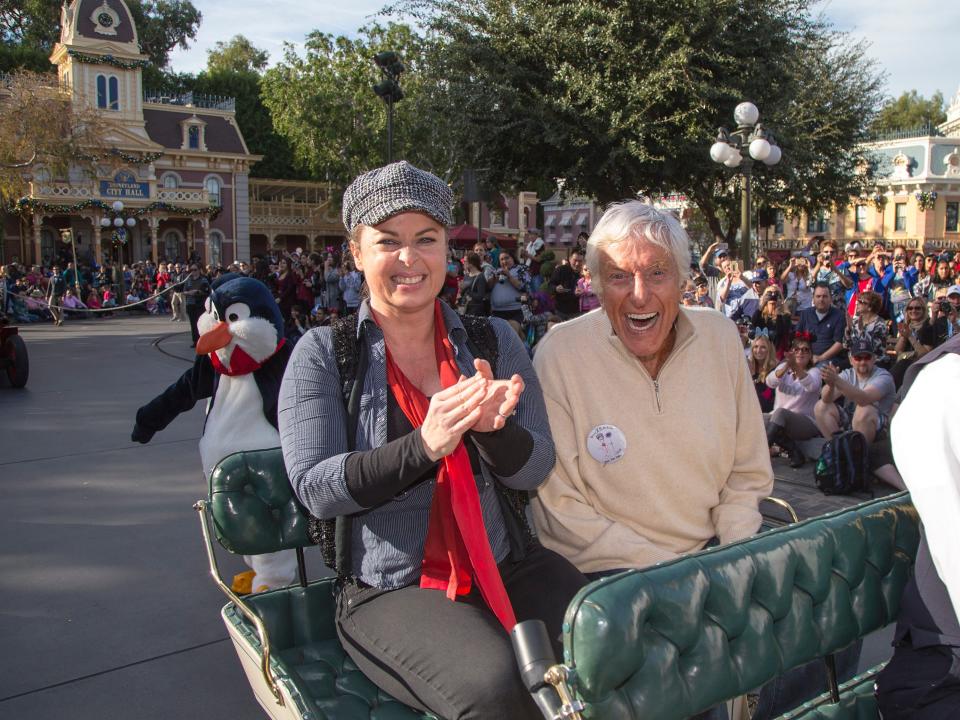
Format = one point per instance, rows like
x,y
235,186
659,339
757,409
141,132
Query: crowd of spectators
x,y
829,336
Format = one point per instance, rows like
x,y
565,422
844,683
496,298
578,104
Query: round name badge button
x,y
606,444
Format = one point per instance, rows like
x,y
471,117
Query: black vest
x,y
926,613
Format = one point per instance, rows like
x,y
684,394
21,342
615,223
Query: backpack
x,y
844,465
334,536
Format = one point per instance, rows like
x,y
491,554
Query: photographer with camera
x,y
773,319
509,291
945,312
797,283
826,271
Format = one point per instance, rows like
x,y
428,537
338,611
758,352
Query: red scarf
x,y
240,362
457,549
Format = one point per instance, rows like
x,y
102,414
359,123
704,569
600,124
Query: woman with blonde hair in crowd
x,y
797,385
798,284
773,316
762,360
915,338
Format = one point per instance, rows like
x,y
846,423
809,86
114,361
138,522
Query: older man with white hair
x,y
659,436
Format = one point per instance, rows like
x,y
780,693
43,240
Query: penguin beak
x,y
214,339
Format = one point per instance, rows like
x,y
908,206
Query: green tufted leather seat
x,y
856,702
254,511
673,640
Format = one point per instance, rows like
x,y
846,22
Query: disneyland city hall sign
x,y
124,185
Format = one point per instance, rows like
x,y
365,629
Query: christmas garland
x,y
144,159
29,204
108,60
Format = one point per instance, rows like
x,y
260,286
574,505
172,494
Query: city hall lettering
x,y
124,185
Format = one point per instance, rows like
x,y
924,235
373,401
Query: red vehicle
x,y
13,355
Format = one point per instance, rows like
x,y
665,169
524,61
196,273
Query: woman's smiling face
x,y
403,260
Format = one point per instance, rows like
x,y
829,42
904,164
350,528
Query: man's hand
x,y
140,434
829,374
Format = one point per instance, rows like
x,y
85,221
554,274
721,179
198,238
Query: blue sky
x,y
911,41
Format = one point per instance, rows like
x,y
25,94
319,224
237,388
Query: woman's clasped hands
x,y
479,403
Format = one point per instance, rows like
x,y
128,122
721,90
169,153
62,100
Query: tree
x,y
163,25
40,125
624,98
910,111
323,103
236,55
34,23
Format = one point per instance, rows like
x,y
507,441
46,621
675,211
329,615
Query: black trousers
x,y
194,311
455,658
920,684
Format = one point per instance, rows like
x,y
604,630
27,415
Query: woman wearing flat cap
x,y
441,565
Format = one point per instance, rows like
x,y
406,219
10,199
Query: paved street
x,y
106,609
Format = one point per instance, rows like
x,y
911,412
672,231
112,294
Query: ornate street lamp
x,y
389,89
739,149
119,237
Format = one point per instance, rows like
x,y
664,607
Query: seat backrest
x,y
677,638
253,506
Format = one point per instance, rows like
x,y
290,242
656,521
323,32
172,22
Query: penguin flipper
x,y
195,384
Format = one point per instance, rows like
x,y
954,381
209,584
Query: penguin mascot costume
x,y
241,356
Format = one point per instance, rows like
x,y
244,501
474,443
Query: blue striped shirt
x,y
387,543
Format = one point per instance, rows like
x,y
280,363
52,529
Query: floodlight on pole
x,y
388,89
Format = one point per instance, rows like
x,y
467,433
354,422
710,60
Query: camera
x,y
945,307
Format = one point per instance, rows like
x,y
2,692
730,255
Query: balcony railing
x,y
289,214
183,195
191,99
64,191
922,131
70,193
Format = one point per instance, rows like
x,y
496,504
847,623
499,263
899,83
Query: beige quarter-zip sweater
x,y
694,461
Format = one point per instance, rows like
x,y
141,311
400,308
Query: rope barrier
x,y
113,308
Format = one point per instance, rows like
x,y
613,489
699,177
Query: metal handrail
x,y
785,505
201,507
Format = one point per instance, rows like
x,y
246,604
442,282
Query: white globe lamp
x,y
759,149
734,160
118,222
746,113
720,151
117,206
774,157
104,222
131,222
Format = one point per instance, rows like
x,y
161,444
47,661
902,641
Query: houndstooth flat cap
x,y
399,187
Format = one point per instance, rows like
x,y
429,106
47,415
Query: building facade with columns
x,y
174,183
286,215
916,201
